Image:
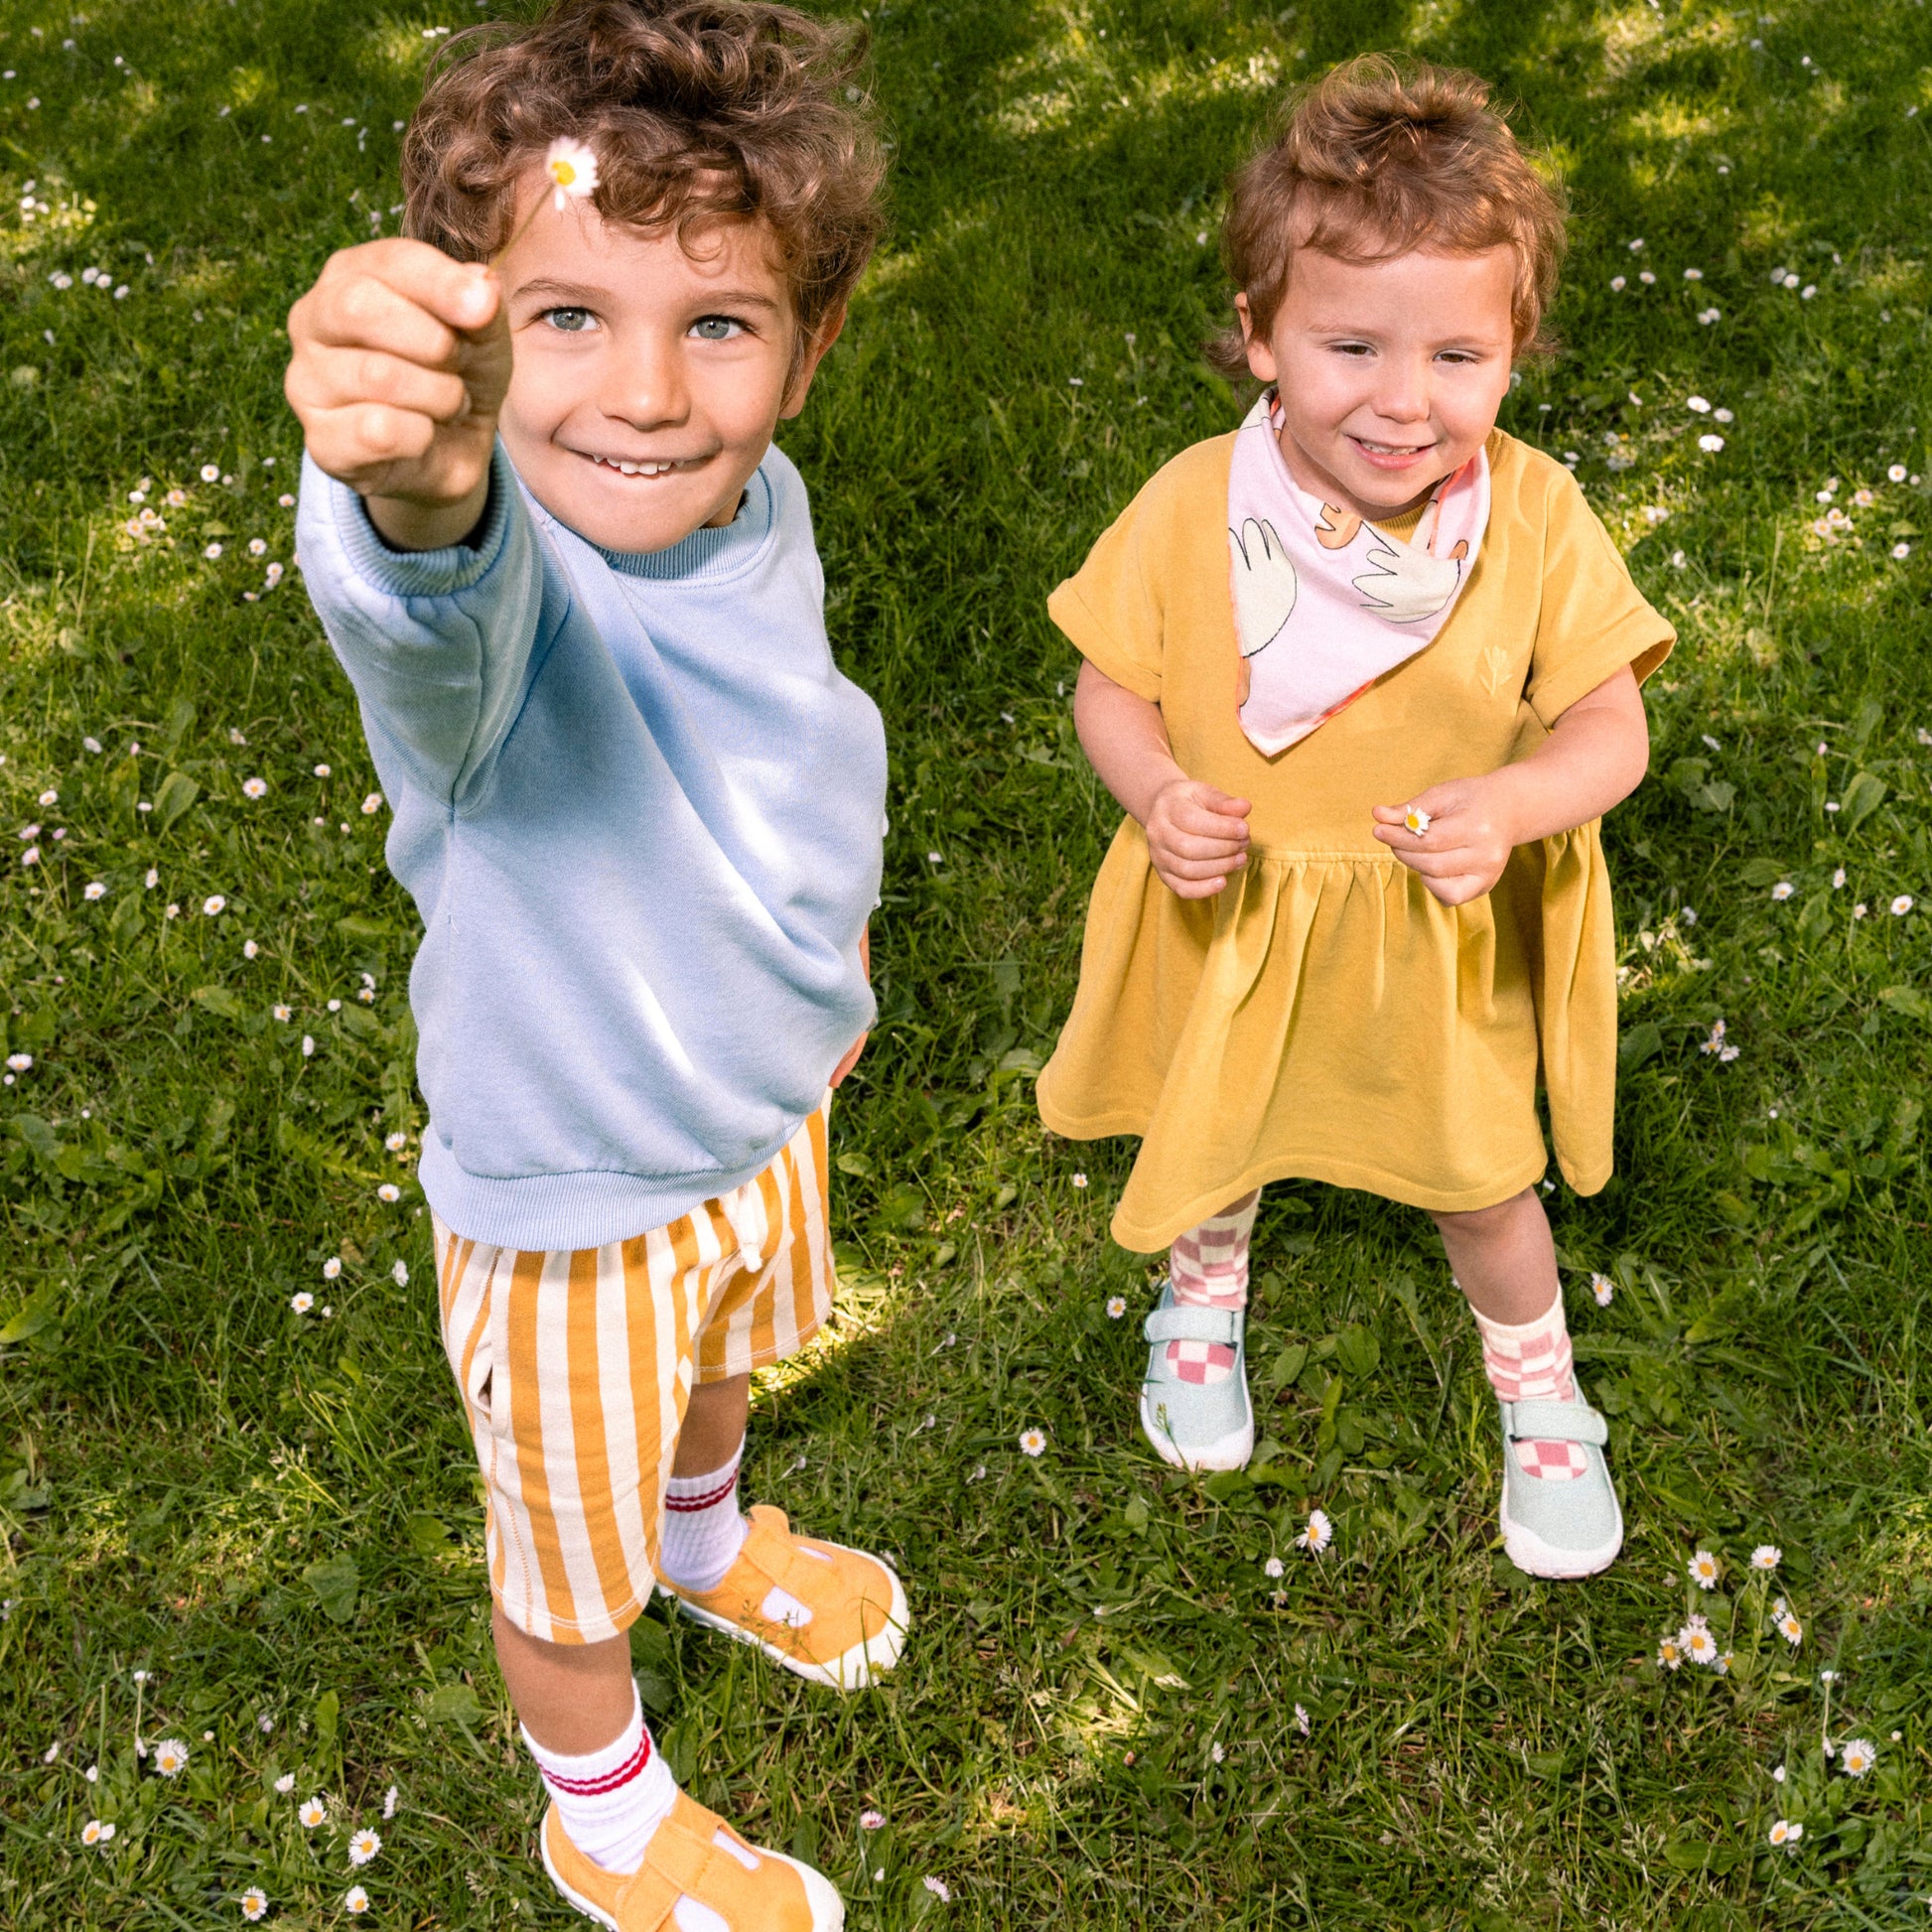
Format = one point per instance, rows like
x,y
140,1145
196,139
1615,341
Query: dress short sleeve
x,y
1110,608
1593,618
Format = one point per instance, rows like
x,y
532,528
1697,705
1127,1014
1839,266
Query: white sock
x,y
703,1528
612,1800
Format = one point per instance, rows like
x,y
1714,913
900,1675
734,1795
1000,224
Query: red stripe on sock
x,y
687,1505
598,1787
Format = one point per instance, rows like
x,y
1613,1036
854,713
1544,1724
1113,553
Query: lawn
x,y
257,1531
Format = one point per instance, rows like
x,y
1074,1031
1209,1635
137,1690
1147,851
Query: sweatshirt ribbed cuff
x,y
423,572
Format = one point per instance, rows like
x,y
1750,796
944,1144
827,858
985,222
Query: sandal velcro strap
x,y
1555,1422
1182,1323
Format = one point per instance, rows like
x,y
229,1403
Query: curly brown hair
x,y
1376,158
699,110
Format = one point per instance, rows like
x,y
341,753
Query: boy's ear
x,y
1261,354
828,331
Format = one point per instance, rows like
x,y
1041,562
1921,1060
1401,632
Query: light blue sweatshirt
x,y
641,813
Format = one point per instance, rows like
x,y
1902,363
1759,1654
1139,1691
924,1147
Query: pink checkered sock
x,y
1530,1361
1208,1267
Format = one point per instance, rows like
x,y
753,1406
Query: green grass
x,y
278,1516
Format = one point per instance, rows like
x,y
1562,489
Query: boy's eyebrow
x,y
586,292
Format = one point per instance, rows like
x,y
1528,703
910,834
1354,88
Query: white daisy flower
x,y
363,1846
400,1274
212,552
1900,551
210,473
93,890
1080,1181
93,1832
283,1013
302,1303
286,500
1777,1777
1318,1534
1116,1307
322,772
254,787
572,166
371,805
1786,1832
31,857
395,1141
307,1047
284,1783
1033,1441
1700,1646
1709,315
213,905
355,1900
20,1063
254,1903
872,1820
1783,890
1860,909
170,1757
1858,1756
175,499
1837,880
1697,403
389,1796
152,877
256,547
331,1267
1901,906
312,1811
1703,1570
1767,1556
388,1191
1619,284
1274,1566
249,951
1302,1723
1710,443
50,798
1603,1289
938,1888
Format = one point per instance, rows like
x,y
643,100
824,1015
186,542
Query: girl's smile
x,y
1390,372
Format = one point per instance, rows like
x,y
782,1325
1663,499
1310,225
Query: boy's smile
x,y
648,377
1390,374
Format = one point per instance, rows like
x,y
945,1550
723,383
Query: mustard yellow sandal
x,y
833,1616
694,1854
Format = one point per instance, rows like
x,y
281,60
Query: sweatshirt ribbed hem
x,y
422,572
546,1212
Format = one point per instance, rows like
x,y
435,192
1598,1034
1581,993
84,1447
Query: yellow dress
x,y
1323,1016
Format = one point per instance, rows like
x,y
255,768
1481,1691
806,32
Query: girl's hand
x,y
1197,836
400,358
1467,844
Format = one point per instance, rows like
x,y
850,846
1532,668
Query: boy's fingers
x,y
347,376
462,293
365,435
367,313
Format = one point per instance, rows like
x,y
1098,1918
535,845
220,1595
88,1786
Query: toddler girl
x,y
1363,676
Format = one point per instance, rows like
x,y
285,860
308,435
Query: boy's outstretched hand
x,y
400,361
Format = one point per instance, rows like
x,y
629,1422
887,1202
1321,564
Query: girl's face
x,y
1390,372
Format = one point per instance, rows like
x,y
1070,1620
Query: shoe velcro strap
x,y
1194,1324
1555,1422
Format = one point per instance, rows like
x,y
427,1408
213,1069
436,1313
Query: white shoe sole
x,y
854,1670
1529,1553
1231,1451
828,1908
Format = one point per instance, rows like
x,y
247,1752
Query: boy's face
x,y
647,380
1390,372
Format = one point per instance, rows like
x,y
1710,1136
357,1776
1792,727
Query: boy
x,y
640,813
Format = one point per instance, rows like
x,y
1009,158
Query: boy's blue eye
x,y
571,320
716,328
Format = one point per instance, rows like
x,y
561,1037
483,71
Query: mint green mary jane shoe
x,y
1196,1424
1571,1528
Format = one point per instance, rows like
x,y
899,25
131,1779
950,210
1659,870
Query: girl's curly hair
x,y
1376,158
699,110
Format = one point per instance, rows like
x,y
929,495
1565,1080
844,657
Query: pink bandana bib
x,y
1324,602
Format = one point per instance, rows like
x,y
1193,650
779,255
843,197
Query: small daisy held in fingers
x,y
1318,1534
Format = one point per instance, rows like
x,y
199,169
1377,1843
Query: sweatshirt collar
x,y
706,554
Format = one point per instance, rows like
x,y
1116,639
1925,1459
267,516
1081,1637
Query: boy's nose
x,y
645,387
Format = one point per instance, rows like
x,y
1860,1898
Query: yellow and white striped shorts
x,y
576,1366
